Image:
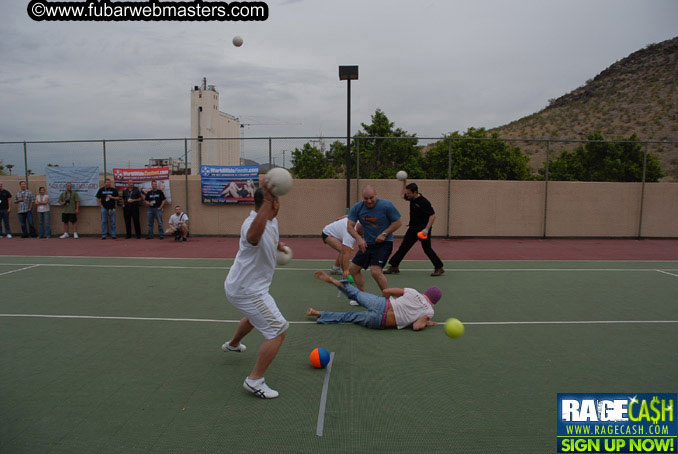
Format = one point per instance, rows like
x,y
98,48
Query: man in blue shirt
x,y
379,219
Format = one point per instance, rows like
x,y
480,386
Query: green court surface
x,y
137,365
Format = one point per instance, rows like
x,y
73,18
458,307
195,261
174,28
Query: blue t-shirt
x,y
374,220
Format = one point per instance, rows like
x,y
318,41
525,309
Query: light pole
x,y
348,73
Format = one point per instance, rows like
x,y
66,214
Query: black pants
x,y
408,241
132,213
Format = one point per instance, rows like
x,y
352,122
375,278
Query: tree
x,y
605,161
480,159
310,162
10,167
380,157
2,168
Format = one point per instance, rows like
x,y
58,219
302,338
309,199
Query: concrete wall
x,y
476,208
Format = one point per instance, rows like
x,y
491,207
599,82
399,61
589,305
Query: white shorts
x,y
262,313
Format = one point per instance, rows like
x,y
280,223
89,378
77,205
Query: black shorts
x,y
324,237
375,254
69,217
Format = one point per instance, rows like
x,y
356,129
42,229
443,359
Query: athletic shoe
x,y
259,388
336,270
183,239
75,235
103,237
392,270
438,272
65,235
227,348
9,236
353,303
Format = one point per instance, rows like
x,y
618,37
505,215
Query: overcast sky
x,y
432,66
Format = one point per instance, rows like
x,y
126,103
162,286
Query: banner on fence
x,y
228,184
84,180
143,178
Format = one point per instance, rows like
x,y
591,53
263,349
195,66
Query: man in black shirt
x,y
155,200
131,198
5,208
107,197
422,218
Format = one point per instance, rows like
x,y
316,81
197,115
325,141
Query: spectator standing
x,y
107,198
42,202
5,209
131,198
70,200
25,200
155,200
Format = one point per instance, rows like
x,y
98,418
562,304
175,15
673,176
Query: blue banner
x,y
222,185
84,180
613,422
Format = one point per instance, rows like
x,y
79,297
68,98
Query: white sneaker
x,y
9,236
336,270
353,303
260,389
75,235
227,348
65,235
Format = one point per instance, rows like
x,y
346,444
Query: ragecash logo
x,y
638,422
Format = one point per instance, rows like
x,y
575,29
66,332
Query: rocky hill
x,y
638,94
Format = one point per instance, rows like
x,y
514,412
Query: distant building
x,y
176,165
208,122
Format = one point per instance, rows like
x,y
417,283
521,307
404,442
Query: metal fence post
x,y
642,194
104,146
357,168
270,153
449,187
186,171
26,163
546,187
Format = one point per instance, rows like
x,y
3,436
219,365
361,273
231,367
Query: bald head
x,y
369,196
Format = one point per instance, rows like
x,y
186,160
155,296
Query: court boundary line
x,y
323,398
421,270
206,320
332,258
664,272
16,271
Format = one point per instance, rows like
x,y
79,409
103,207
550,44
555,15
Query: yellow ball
x,y
454,328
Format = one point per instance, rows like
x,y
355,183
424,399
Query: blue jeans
x,y
371,318
107,215
27,216
4,219
43,222
155,214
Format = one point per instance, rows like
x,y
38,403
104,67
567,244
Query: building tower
x,y
208,122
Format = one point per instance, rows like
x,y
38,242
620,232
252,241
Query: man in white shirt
x,y
247,287
337,237
178,225
395,308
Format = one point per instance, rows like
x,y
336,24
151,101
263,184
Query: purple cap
x,y
434,294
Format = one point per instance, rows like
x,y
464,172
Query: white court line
x,y
323,398
422,270
664,272
206,320
330,258
15,271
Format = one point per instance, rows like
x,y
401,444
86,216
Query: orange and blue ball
x,y
319,358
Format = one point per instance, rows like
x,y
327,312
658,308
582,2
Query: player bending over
x,y
396,308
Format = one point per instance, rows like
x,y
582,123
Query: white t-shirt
x,y
174,219
42,198
410,307
339,230
252,271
